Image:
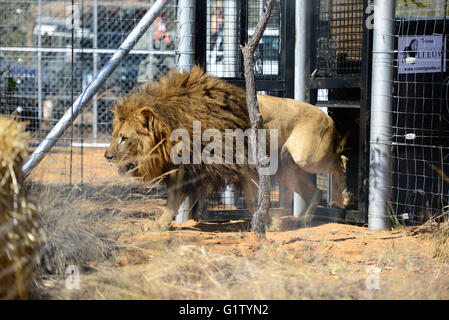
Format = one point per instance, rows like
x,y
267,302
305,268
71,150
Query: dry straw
x,y
18,223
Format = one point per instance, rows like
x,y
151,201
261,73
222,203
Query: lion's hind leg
x,y
299,181
248,185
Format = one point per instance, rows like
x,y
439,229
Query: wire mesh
x,y
232,198
51,50
224,36
339,47
266,59
420,111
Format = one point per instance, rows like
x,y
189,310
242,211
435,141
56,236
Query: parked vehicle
x,y
19,91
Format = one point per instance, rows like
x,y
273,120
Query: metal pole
x,y
208,48
85,50
380,176
93,87
186,34
230,39
230,50
39,69
95,72
228,196
186,59
149,68
302,52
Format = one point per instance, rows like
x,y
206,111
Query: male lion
x,y
144,119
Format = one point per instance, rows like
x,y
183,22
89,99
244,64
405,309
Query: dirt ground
x,y
223,260
65,165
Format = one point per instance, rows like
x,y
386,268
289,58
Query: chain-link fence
x,y
51,50
420,111
339,30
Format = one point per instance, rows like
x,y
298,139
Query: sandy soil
x,y
87,166
351,244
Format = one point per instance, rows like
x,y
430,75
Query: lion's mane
x,y
176,101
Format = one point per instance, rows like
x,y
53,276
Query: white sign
x,y
421,54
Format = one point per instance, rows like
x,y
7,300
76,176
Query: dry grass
x,y
76,234
82,224
113,237
110,236
192,272
442,247
176,265
19,233
438,228
188,272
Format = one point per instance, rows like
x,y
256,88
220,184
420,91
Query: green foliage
x,y
4,70
394,221
11,83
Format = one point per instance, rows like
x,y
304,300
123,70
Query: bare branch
x,y
263,199
260,27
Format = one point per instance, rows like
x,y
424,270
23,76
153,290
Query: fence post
x,y
302,55
39,69
95,72
230,51
186,59
186,34
87,94
380,176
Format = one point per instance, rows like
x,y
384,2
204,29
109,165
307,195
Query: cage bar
x,y
380,177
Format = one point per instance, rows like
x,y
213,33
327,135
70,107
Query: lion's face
x,y
123,150
136,146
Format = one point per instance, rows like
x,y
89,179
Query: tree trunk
x,y
263,196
